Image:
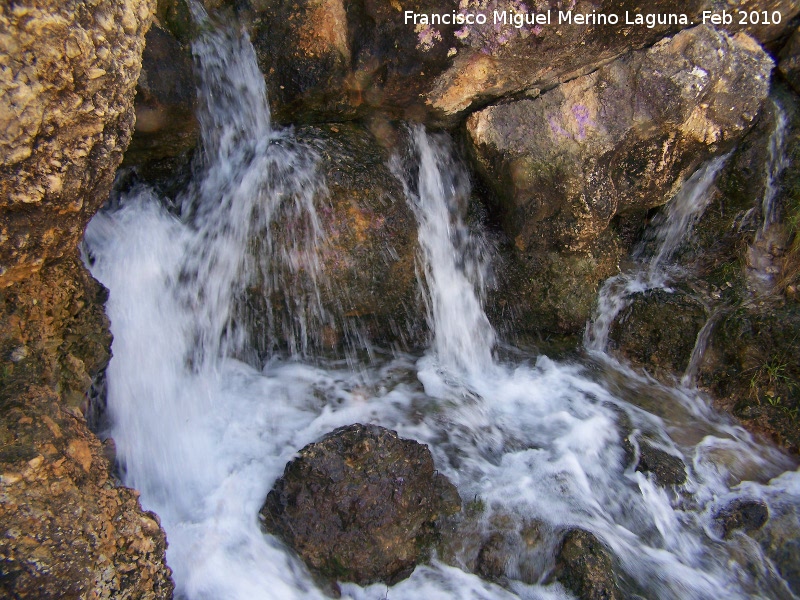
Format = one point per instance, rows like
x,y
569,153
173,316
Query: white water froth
x,y
537,442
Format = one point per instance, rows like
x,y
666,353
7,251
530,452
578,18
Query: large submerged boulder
x,y
360,505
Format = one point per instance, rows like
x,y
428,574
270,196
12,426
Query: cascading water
x,y
669,230
203,435
759,254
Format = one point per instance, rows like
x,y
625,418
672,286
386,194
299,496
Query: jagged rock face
x,y
69,71
616,142
67,530
789,64
360,505
66,113
622,138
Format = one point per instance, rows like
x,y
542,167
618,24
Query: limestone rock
x,y
622,138
367,275
166,126
658,331
360,505
68,531
567,167
65,120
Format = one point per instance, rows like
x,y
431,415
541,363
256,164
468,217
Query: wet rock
x,y
547,295
493,557
658,331
360,505
789,65
666,468
367,274
780,539
66,116
613,143
67,530
751,368
166,127
584,567
742,514
620,139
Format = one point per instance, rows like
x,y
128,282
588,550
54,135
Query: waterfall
x,y
203,434
455,275
668,231
759,253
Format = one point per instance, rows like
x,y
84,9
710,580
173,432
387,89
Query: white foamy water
x,y
204,436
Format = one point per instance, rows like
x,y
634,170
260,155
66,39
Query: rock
x,y
620,139
493,557
360,505
742,514
166,126
779,537
584,567
751,365
789,65
367,271
550,294
66,116
65,120
604,147
666,468
333,60
658,331
67,530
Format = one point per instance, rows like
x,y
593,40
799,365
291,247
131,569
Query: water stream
x,y
203,430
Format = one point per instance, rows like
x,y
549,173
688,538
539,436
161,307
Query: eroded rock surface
x,y
66,113
616,142
65,120
360,505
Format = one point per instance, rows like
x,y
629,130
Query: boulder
x,y
366,274
69,70
360,505
749,515
570,170
658,331
584,567
620,139
666,468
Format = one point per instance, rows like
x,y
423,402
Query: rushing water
x,y
203,435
